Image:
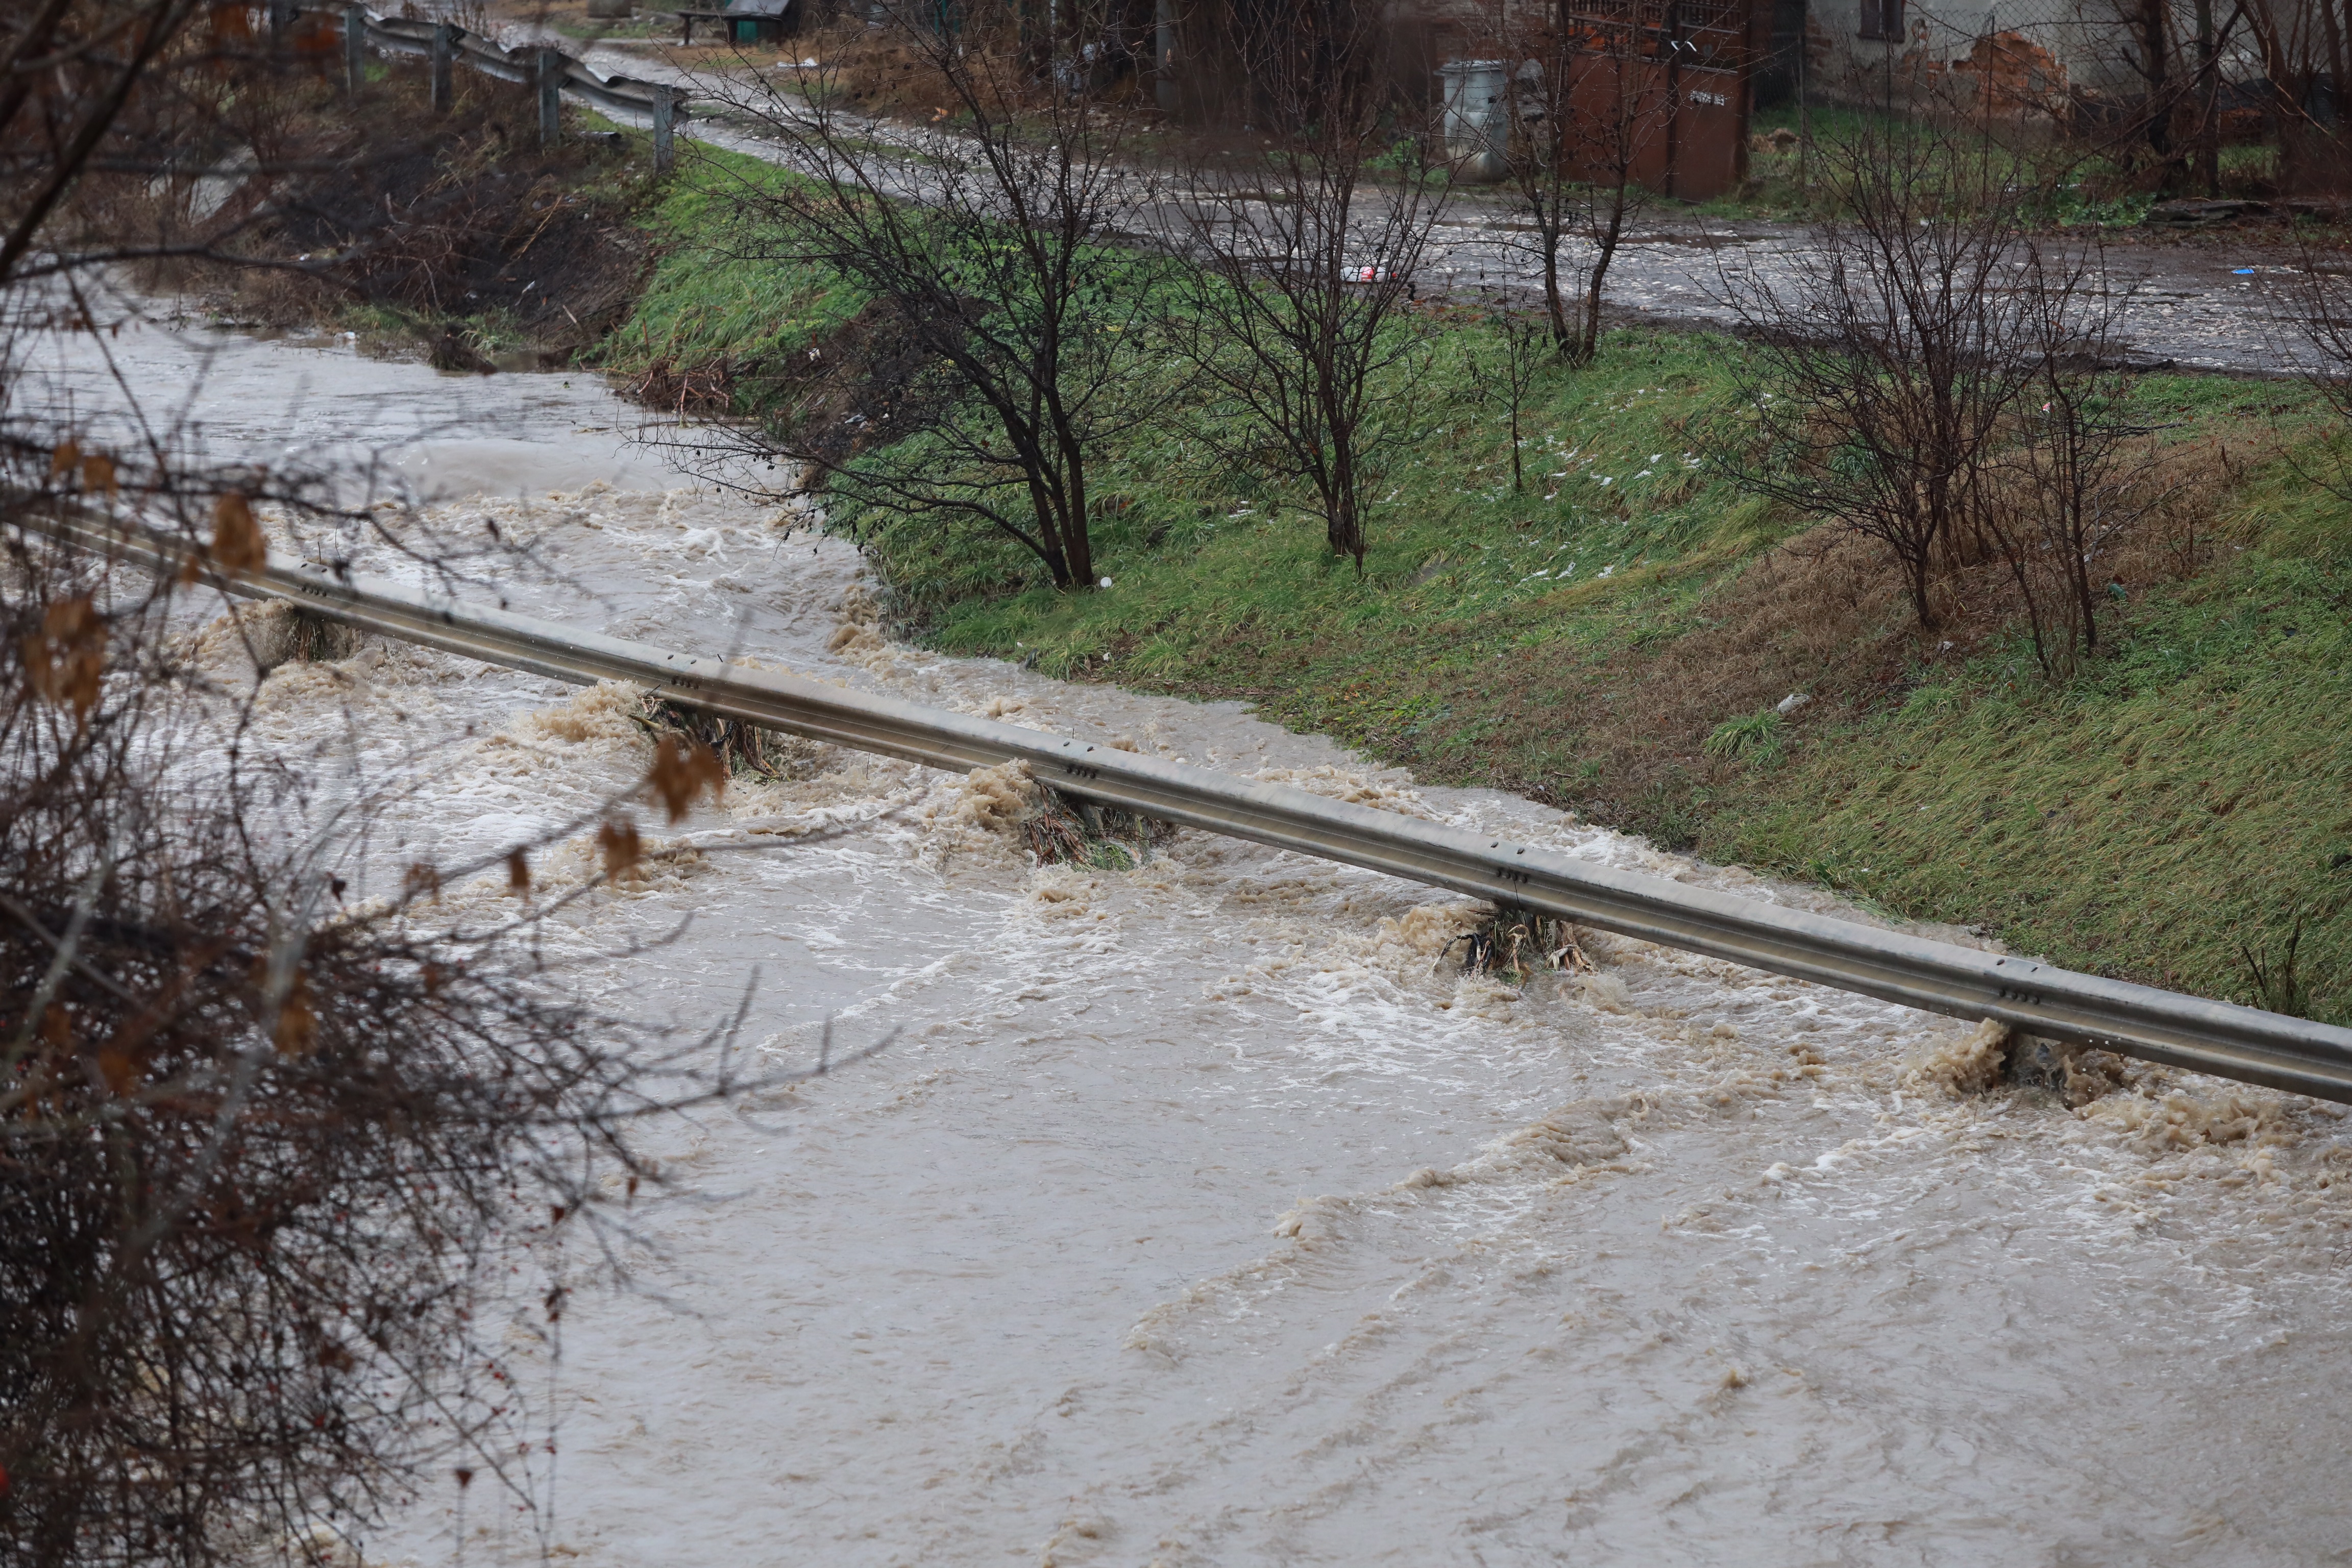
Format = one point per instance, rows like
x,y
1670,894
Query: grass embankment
x,y
2181,797
710,333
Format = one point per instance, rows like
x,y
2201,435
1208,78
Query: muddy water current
x,y
1207,1213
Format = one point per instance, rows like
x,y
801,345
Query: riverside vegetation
x,y
1616,632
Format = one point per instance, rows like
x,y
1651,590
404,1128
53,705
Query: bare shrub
x,y
1584,112
240,164
1508,374
2317,307
987,234
284,1121
1883,372
2081,473
1296,313
1964,402
263,1144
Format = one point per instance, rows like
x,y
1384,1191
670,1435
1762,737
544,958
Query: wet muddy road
x,y
1206,1213
2224,301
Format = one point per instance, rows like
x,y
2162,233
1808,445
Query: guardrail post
x,y
664,153
354,48
444,44
551,97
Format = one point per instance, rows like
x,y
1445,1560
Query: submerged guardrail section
x,y
2032,997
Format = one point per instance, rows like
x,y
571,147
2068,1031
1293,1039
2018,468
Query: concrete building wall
x,y
2022,56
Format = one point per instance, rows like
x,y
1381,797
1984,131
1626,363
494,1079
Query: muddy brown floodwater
x,y
1207,1213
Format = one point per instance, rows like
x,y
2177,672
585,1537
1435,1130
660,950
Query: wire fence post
x,y
444,44
551,97
354,48
1805,104
665,152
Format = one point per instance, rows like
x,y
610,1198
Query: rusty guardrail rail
x,y
402,35
661,105
2035,998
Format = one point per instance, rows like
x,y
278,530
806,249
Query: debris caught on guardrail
x,y
1516,943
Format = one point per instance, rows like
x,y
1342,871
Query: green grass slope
x,y
2169,812
2172,807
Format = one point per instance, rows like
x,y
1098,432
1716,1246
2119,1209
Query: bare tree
x,y
2153,57
2080,470
988,238
2158,119
2306,54
1882,374
1296,311
1584,113
1508,374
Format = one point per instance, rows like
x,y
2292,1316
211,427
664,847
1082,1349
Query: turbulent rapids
x,y
1206,1210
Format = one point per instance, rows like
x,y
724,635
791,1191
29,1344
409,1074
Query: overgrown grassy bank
x,y
2174,804
708,333
455,234
2183,798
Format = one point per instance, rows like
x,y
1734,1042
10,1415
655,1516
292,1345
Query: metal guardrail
x,y
2035,998
410,36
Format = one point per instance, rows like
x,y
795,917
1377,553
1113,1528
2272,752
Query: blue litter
x,y
2242,272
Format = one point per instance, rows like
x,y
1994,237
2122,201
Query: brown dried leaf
x,y
119,1069
423,880
67,658
98,474
237,544
621,847
297,1021
65,459
680,772
517,871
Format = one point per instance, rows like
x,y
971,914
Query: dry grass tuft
x,y
1066,831
1825,616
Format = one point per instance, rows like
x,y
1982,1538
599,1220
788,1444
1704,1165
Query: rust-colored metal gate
x,y
1661,88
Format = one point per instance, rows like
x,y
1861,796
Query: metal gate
x,y
1661,87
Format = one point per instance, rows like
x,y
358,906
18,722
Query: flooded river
x,y
1206,1213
